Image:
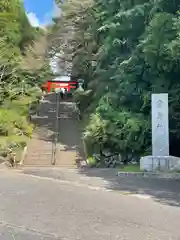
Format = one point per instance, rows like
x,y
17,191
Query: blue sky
x,y
40,12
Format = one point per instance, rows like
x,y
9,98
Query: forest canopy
x,y
23,66
125,50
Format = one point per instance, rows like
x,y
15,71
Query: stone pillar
x,y
160,124
159,160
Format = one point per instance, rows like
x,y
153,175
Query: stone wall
x,y
160,163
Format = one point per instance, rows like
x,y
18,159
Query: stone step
x,y
37,160
34,149
48,149
42,162
39,150
39,141
46,160
49,165
40,156
41,146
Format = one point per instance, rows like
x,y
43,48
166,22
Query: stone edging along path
x,y
149,175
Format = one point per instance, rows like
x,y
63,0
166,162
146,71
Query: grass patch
x,y
91,161
131,168
175,171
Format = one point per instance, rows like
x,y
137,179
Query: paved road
x,y
165,191
35,208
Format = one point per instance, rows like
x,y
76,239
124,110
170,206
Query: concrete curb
x,y
149,175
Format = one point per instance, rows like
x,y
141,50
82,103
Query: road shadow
x,y
161,190
165,191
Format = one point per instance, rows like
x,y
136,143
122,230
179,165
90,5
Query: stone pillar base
x,y
159,163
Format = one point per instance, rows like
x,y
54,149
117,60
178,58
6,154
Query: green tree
x,y
21,46
134,46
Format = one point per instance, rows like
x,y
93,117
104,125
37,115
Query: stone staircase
x,y
69,148
38,152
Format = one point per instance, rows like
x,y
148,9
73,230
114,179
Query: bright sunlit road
x,y
35,208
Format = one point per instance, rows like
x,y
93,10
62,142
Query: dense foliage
x,y
18,77
125,50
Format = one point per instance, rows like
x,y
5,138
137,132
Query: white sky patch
x,y
47,19
33,19
54,65
56,10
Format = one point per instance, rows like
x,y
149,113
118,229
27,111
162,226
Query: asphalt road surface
x,y
35,208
